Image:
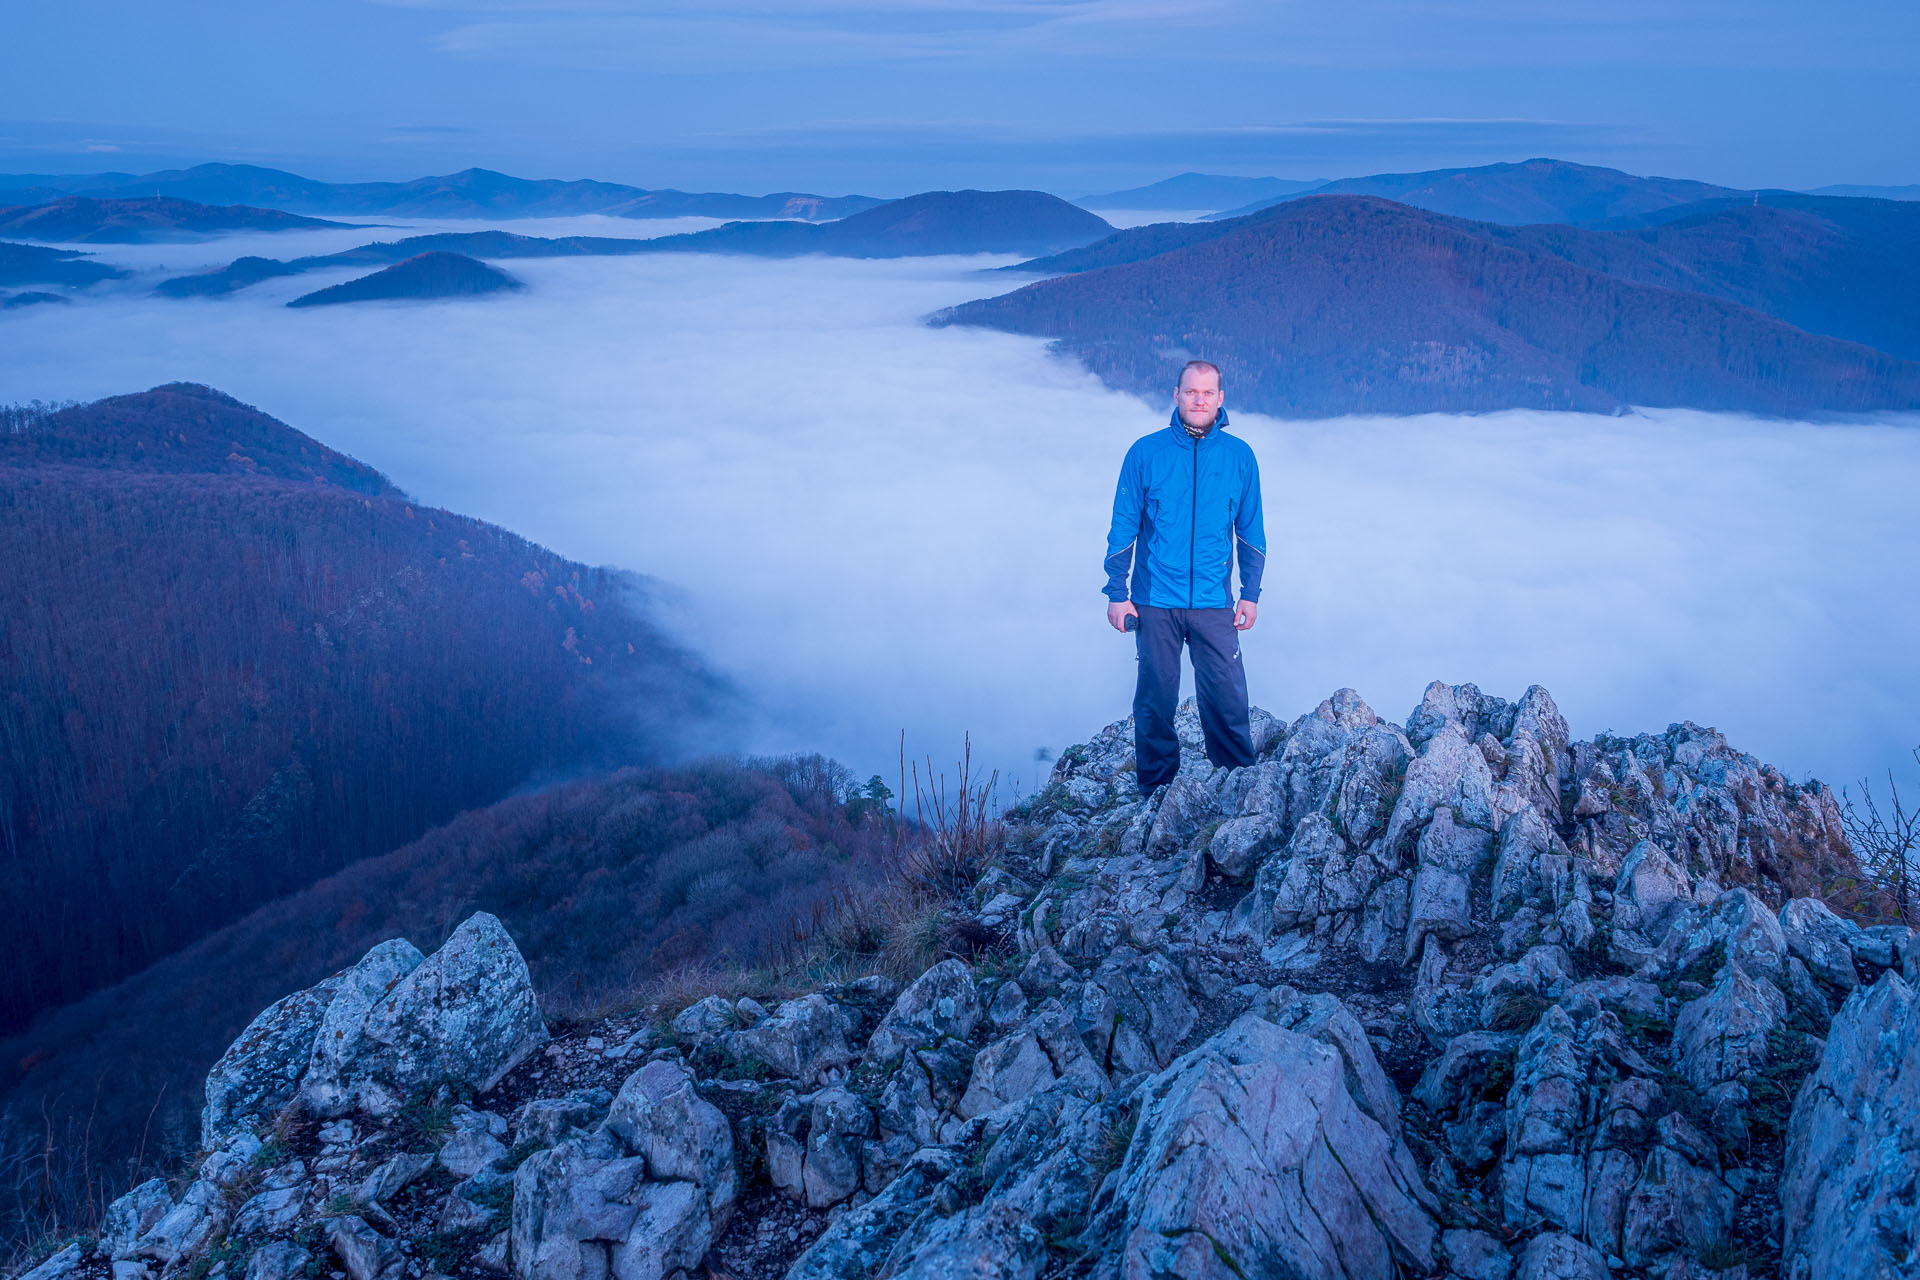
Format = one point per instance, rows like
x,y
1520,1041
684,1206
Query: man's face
x,y
1198,397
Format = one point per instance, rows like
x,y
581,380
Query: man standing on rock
x,y
1188,499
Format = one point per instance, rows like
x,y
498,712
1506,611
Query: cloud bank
x,y
873,526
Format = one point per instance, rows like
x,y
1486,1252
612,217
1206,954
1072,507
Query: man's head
x,y
1197,395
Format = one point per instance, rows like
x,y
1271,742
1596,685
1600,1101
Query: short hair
x,y
1191,365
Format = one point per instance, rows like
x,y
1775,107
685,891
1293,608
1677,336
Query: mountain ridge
x,y
471,192
1347,304
1462,998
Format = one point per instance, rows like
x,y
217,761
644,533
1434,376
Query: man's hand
x,y
1119,612
1244,613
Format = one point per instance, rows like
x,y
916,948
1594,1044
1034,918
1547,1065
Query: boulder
x,y
133,1215
364,1253
1853,1145
326,1083
545,1121
260,1071
1821,940
278,1260
858,1242
1553,1256
659,1116
1723,1036
1135,1011
63,1262
941,1003
801,1040
1251,1157
464,1016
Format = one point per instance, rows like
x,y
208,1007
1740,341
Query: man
x,y
1188,499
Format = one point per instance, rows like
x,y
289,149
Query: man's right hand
x,y
1119,612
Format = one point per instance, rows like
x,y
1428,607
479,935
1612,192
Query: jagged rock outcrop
x,y
1852,1185
1460,997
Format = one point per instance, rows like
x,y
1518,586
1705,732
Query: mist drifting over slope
x,y
876,526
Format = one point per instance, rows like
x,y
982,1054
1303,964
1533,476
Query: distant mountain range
x,y
1201,191
425,275
1910,192
30,298
932,223
474,244
85,220
471,193
1353,304
1530,191
1845,267
35,264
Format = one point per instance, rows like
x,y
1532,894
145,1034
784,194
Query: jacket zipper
x,y
1193,528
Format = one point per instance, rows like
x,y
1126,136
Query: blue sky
x,y
893,96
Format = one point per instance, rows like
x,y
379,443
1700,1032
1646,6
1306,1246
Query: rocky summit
x,y
1458,997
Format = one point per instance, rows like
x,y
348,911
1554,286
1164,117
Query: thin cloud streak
x,y
874,525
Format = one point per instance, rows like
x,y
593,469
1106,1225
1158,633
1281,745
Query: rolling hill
x,y
425,275
36,264
85,220
471,193
1539,190
605,882
1342,304
473,244
933,222
239,660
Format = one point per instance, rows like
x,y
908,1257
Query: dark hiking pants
x,y
1218,678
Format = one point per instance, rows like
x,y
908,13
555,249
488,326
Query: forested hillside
x,y
1352,304
607,883
237,661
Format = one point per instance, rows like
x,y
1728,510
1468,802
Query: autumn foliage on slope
x,y
236,661
606,884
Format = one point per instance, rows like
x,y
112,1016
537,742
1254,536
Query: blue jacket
x,y
1186,505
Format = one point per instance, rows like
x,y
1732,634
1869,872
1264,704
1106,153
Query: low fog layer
x,y
872,526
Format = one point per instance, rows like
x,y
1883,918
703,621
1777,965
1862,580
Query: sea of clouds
x,y
871,526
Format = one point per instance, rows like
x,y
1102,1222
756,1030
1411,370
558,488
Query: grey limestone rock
x,y
709,1016
327,1084
1651,891
858,1242
364,1253
1135,1011
1723,1036
1475,1255
801,1039
468,1151
991,1242
659,1115
941,1003
465,1015
545,1121
391,1176
1248,1151
1554,1256
261,1070
278,1260
186,1228
61,1263
838,1123
1821,940
1848,1193
132,1215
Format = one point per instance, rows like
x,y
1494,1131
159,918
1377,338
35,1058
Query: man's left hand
x,y
1244,613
